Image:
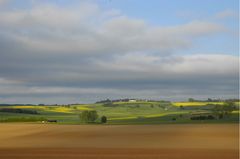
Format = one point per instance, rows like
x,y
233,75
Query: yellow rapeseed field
x,y
178,104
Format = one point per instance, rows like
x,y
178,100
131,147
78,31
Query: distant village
x,y
125,100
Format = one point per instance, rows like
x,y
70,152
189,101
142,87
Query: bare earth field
x,y
180,141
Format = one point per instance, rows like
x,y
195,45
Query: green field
x,y
139,112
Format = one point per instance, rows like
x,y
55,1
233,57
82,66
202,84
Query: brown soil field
x,y
176,141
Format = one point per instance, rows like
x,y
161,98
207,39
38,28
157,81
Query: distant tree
x,y
229,107
224,110
220,115
103,119
88,116
209,100
191,99
108,101
75,107
93,115
181,107
84,116
16,110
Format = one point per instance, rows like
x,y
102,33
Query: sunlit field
x,y
195,103
139,112
187,141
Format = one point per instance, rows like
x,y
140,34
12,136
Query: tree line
x,y
15,110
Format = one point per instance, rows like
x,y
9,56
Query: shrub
x,y
203,117
103,119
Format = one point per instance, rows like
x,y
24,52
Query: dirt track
x,y
27,141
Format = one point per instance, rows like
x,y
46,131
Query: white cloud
x,y
2,2
228,13
85,29
155,67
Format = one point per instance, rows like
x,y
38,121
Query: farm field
x,y
208,141
120,112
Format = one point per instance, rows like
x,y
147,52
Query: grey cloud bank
x,y
82,53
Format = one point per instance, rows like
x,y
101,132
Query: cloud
x,y
82,52
154,67
86,29
132,75
228,13
3,2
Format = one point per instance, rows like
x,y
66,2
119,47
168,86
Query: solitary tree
x,y
191,100
88,116
103,119
209,100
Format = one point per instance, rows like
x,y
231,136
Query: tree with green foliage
x,y
181,107
224,110
88,116
209,100
103,119
191,100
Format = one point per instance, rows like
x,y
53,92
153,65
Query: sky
x,y
82,51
